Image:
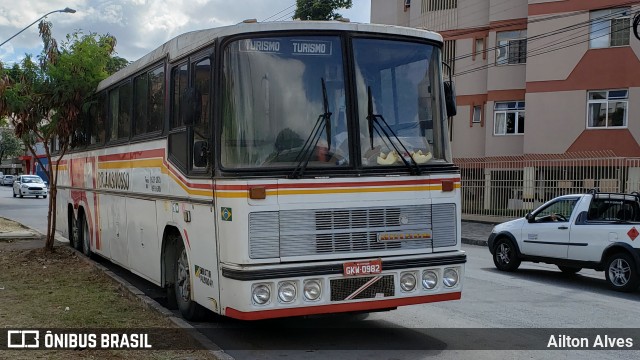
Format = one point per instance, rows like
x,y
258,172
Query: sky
x,y
138,25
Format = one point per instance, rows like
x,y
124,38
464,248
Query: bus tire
x,y
74,232
85,235
189,309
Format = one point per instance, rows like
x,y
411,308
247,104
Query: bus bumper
x,y
252,295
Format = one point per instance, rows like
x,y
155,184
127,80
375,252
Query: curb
x,y
18,236
475,242
136,294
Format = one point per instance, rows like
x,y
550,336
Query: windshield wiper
x,y
306,152
377,119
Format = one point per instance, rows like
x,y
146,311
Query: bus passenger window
x,y
202,84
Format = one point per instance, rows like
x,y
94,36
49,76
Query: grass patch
x,y
61,291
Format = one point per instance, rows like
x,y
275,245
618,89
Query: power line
x,y
537,51
279,12
576,26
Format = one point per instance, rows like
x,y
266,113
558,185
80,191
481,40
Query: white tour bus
x,y
275,169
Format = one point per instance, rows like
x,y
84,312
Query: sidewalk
x,y
476,229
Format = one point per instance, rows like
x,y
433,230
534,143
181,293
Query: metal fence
x,y
512,186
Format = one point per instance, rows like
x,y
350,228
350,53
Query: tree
x,y
320,9
10,145
44,99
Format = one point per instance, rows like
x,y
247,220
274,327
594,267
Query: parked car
x,y
597,230
8,180
29,185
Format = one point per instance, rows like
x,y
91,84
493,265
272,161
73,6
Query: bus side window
x,y
201,113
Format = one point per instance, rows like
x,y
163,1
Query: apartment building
x,y
537,81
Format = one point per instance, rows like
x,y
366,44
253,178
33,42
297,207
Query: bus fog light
x,y
429,279
312,290
286,292
450,277
408,281
261,294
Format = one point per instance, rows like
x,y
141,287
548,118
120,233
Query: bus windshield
x,y
405,86
281,93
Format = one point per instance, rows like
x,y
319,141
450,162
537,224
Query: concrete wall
x,y
554,120
474,82
557,64
391,12
473,13
469,139
507,10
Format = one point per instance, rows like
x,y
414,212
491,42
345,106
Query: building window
x,y
512,47
607,108
479,48
509,118
609,28
477,114
449,55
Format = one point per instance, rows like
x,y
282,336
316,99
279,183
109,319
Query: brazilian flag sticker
x,y
226,214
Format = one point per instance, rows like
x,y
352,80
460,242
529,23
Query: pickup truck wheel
x,y
621,273
505,257
569,270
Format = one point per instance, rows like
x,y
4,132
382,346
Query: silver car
x,y
8,180
30,185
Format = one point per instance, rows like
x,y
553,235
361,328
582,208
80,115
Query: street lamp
x,y
65,10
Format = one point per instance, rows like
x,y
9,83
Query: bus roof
x,y
194,40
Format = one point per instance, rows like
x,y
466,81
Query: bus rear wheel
x,y
74,232
189,309
85,236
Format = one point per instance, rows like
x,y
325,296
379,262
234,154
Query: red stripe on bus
x,y
186,237
336,308
136,155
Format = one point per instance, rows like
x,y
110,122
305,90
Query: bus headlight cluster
x,y
450,277
261,294
429,279
312,290
408,281
286,292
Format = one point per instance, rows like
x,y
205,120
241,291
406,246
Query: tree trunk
x,y
51,217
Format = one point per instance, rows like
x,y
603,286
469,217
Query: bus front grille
x,y
345,289
303,232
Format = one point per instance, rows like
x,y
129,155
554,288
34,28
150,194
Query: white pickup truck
x,y
598,231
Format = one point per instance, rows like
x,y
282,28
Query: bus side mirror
x,y
450,98
200,153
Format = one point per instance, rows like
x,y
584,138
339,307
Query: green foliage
x,y
320,9
44,99
10,145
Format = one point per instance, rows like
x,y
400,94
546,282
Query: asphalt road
x,y
28,210
537,296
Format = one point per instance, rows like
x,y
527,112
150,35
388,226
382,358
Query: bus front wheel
x,y
189,309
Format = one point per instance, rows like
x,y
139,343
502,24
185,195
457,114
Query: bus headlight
x,y
312,290
261,294
450,277
286,292
408,281
429,279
